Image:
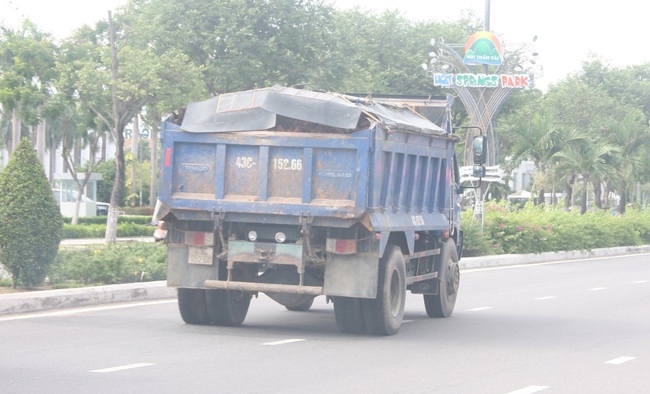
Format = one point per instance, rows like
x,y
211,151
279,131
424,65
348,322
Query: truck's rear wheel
x,y
192,306
229,307
383,315
301,307
442,304
349,316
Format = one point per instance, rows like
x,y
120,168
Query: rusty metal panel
x,y
286,172
335,174
242,172
195,168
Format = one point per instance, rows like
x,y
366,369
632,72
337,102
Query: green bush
x,y
475,242
99,230
537,229
30,220
139,211
111,264
137,219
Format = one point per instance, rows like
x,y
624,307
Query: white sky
x,y
567,30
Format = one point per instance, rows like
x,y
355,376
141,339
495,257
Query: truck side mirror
x,y
480,149
478,170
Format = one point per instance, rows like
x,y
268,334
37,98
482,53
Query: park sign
x,y
482,80
483,48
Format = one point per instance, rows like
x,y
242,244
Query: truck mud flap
x,y
352,275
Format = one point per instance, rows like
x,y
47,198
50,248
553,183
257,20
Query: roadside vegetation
x,y
95,227
510,229
93,265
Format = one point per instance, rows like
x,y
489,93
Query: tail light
x,y
341,246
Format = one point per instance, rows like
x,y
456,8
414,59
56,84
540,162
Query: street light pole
x,y
487,27
140,169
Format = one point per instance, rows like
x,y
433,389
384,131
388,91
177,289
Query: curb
x,y
35,301
519,259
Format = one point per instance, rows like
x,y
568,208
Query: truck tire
x,y
229,307
442,304
349,316
192,306
302,307
383,315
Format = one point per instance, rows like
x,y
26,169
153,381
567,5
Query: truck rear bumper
x,y
264,287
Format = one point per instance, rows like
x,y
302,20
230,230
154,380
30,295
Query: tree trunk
x,y
16,125
52,159
568,199
104,142
40,141
153,188
598,192
541,198
622,202
135,142
76,150
118,129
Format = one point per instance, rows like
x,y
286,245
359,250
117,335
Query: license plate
x,y
200,255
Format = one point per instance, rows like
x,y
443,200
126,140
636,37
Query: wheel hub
x,y
453,278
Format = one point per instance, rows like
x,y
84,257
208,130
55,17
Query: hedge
x,y
536,229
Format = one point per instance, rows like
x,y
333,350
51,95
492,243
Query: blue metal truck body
x,y
298,194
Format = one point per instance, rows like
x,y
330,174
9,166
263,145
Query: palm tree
x,y
536,141
586,160
633,139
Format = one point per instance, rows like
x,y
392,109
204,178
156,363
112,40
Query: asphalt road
x,y
574,327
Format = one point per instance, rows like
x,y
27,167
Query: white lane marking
x,y
597,288
529,390
123,367
641,281
282,342
619,360
507,267
480,308
407,321
545,298
66,312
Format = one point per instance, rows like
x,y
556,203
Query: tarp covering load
x,y
260,109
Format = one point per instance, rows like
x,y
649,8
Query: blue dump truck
x,y
297,194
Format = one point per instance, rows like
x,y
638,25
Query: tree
x,y
238,44
31,225
588,160
27,66
633,138
116,81
537,141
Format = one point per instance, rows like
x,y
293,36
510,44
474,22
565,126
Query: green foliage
x,y
537,229
105,186
112,264
99,230
30,221
27,63
475,242
137,219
